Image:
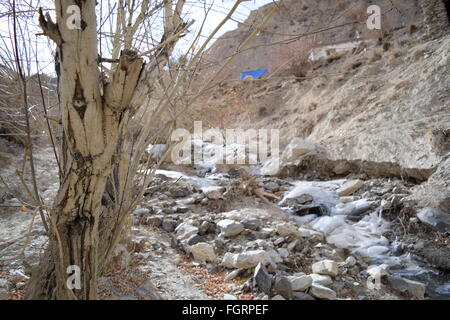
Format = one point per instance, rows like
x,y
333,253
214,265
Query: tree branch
x,y
49,28
119,92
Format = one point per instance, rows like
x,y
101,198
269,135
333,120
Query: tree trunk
x,y
94,118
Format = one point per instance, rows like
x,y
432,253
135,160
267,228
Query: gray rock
x,y
262,279
204,227
180,192
435,218
301,283
409,287
301,296
272,186
182,209
148,291
246,260
185,231
233,274
322,292
230,228
252,224
203,252
169,225
321,279
195,239
283,287
154,221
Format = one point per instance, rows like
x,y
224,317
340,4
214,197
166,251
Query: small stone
x,y
185,231
283,287
291,246
204,227
350,261
350,187
405,286
262,279
169,225
230,228
286,230
182,209
154,221
278,297
272,186
283,252
275,256
251,258
228,260
233,274
193,240
322,292
301,283
203,252
229,297
252,224
326,267
321,279
278,241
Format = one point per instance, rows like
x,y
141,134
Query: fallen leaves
x,y
215,284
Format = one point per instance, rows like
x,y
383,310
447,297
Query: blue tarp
x,y
255,74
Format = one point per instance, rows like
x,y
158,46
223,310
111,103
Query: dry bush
x,y
292,58
12,119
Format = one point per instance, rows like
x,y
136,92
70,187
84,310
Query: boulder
x,y
301,283
326,267
262,279
247,259
435,218
282,286
322,292
203,252
230,228
321,279
409,287
185,231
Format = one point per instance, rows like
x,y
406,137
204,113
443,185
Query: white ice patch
x,y
324,193
364,237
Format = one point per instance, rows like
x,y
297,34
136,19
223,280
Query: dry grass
x,y
214,285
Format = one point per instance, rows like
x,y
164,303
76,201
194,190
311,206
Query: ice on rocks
x,y
358,237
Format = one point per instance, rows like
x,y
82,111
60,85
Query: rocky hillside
x,y
381,108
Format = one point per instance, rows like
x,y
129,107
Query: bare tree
x,y
99,165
